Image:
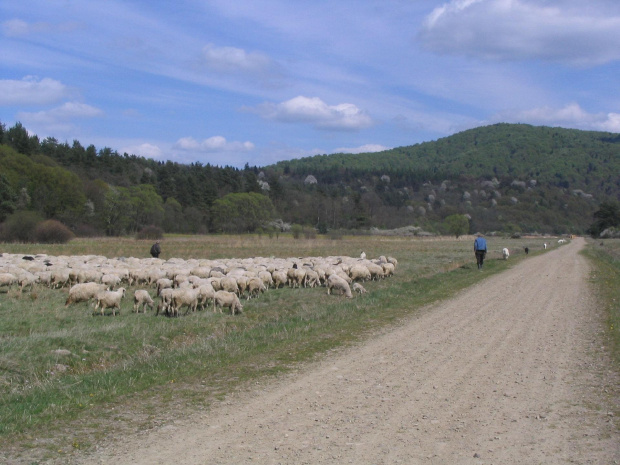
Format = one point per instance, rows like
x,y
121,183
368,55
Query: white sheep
x,y
142,298
165,302
205,293
185,297
163,283
359,272
336,282
388,269
505,253
376,271
255,286
84,292
227,299
110,299
111,280
229,283
7,279
357,287
312,278
545,246
279,278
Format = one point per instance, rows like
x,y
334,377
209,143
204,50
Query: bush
x,y
20,227
150,232
310,233
52,232
296,230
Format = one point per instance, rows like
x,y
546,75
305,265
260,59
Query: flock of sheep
x,y
191,284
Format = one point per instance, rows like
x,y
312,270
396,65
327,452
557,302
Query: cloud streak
x,y
31,91
509,30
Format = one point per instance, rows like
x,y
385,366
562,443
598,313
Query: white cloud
x,y
31,91
367,148
571,116
145,150
524,29
312,110
231,59
19,28
213,144
65,112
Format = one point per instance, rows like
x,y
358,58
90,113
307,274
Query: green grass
x,y
605,256
136,369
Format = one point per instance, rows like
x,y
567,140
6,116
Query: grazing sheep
x,y
393,261
111,280
357,287
83,292
165,301
388,269
266,277
359,272
205,293
60,278
7,279
110,299
505,253
545,246
227,299
185,297
255,286
336,282
296,276
163,283
279,278
142,298
376,271
228,283
312,278
26,279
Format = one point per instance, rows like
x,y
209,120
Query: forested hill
x,y
504,177
568,158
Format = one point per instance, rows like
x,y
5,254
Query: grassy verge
x,y
605,256
81,372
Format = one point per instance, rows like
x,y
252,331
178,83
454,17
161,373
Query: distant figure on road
x,y
480,249
155,249
526,251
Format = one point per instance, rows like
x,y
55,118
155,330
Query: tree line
x,y
502,178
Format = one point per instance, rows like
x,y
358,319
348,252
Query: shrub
x,y
52,232
309,233
150,232
20,227
296,230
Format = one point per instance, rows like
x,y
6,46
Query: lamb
x,y
227,299
505,253
84,292
357,287
336,282
110,299
142,298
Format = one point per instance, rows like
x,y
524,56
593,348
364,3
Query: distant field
x,y
135,369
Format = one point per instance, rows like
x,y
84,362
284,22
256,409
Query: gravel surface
x,y
511,371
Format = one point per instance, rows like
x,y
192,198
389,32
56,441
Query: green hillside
x,y
505,177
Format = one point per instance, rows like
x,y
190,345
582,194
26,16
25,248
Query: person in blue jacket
x,y
480,249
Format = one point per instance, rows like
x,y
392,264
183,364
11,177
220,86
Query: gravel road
x,y
511,371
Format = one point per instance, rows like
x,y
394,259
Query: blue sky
x,y
259,81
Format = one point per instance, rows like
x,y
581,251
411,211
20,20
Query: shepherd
x,y
155,250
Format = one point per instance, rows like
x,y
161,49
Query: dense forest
x,y
506,178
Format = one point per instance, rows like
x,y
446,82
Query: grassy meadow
x,y
67,374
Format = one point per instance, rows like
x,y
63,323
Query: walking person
x,y
480,249
155,250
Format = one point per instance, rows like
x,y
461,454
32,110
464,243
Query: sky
x,y
260,81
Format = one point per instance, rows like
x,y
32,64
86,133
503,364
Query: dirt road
x,y
508,372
